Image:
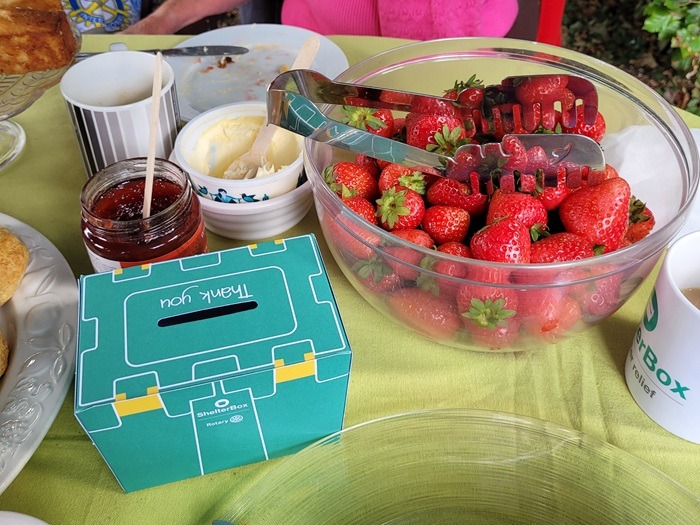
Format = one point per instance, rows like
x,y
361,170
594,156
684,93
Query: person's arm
x,y
173,15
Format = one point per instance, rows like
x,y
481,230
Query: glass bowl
x,y
463,466
646,141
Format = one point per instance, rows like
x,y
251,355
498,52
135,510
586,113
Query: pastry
x,y
35,35
14,258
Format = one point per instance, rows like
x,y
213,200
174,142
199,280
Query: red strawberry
x,y
451,192
596,131
551,197
432,316
438,133
446,223
469,94
376,275
418,237
446,287
362,207
599,213
641,222
522,206
551,313
498,337
400,209
517,154
507,240
455,248
542,92
600,298
369,163
352,240
561,247
430,106
377,121
347,179
400,175
405,261
489,313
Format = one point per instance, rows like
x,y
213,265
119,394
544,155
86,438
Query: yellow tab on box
x,y
296,371
128,407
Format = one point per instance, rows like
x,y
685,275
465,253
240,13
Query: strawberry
x,y
377,121
522,206
446,223
497,337
430,106
489,313
641,222
445,287
551,314
438,133
400,209
517,154
419,237
451,192
599,298
432,316
468,94
599,213
561,247
596,131
369,163
362,207
539,93
507,240
376,275
400,175
352,240
455,248
551,197
405,261
347,179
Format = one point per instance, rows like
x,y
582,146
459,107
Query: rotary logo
x,y
236,419
107,15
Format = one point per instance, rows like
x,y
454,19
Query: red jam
x,y
114,231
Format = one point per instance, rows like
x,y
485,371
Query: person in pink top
x,y
414,19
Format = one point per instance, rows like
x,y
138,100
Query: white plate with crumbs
x,y
40,322
204,83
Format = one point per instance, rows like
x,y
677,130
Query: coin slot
x,y
209,313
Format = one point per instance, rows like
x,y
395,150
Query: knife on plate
x,y
191,51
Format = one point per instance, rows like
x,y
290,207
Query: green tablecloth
x,y
579,384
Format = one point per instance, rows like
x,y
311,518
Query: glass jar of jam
x,y
114,231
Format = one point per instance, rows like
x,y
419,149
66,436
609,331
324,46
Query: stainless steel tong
x,y
292,100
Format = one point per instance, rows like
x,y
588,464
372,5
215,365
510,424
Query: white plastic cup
x,y
663,365
109,100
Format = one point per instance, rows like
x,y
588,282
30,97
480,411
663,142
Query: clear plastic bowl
x,y
463,466
646,140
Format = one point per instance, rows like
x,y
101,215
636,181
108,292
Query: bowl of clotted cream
x,y
211,143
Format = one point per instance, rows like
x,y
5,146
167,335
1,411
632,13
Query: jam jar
x,y
114,231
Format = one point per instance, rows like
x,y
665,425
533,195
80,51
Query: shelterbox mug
x,y
663,365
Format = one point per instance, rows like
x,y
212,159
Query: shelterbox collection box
x,y
209,362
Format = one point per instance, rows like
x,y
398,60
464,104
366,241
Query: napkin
x,y
633,151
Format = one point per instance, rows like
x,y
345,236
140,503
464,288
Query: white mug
x,y
663,365
109,100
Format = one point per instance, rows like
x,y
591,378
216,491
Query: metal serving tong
x,y
291,104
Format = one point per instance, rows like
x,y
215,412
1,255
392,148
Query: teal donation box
x,y
209,362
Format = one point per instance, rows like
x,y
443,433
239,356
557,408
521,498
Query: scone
x,y
34,39
4,353
14,259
